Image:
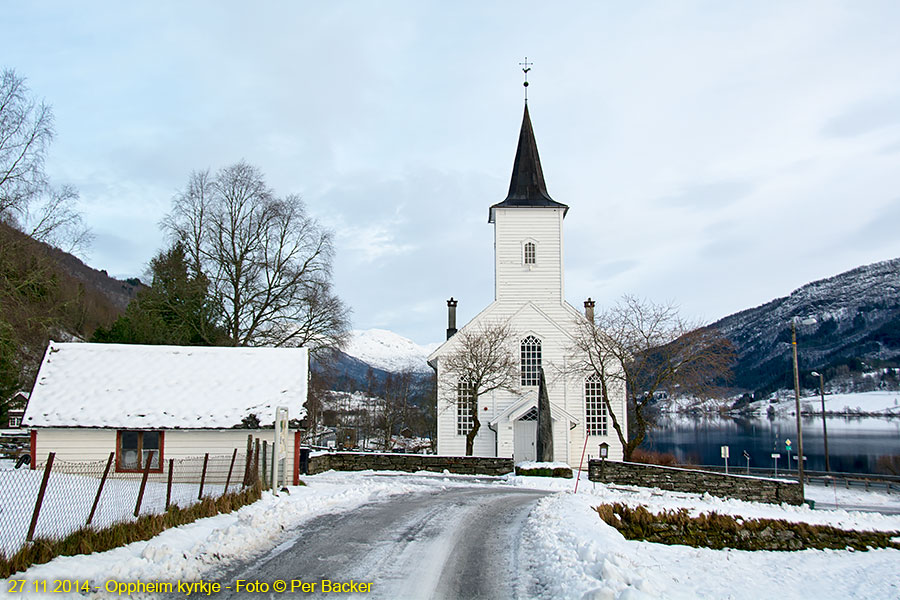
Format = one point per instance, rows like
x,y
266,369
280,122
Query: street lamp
x,y
604,452
824,426
799,419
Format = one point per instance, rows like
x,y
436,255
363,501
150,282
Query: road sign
x,y
724,451
746,455
776,456
787,446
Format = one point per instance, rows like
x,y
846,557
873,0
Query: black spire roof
x,y
527,188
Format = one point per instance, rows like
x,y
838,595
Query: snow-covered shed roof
x,y
157,387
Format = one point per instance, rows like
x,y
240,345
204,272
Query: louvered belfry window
x,y
531,360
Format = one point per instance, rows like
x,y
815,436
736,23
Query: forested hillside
x,y
845,324
46,293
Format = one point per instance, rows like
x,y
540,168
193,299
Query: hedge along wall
x,y
359,461
754,489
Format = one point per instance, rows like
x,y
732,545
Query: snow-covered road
x,y
454,543
427,535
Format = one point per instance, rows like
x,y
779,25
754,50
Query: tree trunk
x,y
604,391
476,425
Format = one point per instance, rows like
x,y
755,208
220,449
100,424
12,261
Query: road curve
x,y
459,542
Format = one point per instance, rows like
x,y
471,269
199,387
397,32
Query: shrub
x,y
564,472
651,457
712,530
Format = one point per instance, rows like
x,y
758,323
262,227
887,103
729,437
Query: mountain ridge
x,y
842,321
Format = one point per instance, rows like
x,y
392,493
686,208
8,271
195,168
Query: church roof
x,y
527,188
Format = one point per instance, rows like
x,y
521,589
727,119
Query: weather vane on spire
x,y
526,66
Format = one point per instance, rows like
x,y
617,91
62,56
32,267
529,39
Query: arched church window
x,y
465,398
594,407
529,253
531,360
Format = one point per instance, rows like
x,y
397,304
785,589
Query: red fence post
x,y
40,498
230,469
169,485
247,465
296,458
140,498
203,476
100,487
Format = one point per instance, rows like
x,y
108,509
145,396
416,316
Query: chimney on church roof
x,y
451,317
589,309
527,188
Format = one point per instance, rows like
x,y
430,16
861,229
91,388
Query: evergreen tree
x,y
176,309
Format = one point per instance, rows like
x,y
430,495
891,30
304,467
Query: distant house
x,y
177,401
16,409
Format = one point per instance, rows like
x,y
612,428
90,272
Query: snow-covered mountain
x,y
845,321
388,351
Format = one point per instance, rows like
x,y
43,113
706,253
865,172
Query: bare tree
x,y
483,360
267,260
642,348
27,200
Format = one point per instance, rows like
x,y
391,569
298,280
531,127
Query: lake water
x,y
854,444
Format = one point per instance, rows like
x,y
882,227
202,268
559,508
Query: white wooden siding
x,y
82,444
514,280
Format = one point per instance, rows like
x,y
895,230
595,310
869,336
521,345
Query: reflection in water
x,y
854,443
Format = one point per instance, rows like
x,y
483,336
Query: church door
x,y
525,444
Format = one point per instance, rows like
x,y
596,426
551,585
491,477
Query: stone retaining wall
x,y
362,461
755,489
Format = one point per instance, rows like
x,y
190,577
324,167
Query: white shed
x,y
178,401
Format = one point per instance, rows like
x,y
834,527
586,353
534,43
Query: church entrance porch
x,y
525,437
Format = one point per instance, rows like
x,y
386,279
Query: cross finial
x,y
526,66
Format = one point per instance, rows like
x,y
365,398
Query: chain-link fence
x,y
60,497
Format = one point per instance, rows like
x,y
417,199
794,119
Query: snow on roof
x,y
144,387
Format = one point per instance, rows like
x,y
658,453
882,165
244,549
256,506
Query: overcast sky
x,y
714,154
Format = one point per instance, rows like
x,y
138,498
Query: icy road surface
x,y
452,543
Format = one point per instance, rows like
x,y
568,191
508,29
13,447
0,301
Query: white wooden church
x,y
529,296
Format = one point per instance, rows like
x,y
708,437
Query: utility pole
x,y
797,401
824,426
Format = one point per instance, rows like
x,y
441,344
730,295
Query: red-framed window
x,y
134,446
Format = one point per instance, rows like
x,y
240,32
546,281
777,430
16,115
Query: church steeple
x,y
527,188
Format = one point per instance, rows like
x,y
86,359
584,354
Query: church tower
x,y
528,231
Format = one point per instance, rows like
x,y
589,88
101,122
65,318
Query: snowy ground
x,y
880,403
582,557
866,403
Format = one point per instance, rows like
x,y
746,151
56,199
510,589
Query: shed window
x,y
133,448
529,253
531,360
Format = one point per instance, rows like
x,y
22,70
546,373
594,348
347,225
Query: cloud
x,y
705,196
865,117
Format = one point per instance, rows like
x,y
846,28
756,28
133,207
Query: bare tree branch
x,y
267,260
27,200
484,360
644,348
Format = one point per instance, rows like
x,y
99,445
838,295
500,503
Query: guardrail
x,y
888,483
